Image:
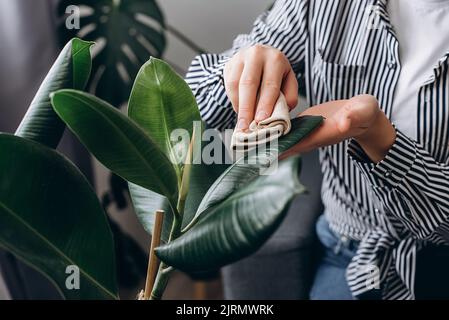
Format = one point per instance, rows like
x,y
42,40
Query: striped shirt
x,y
347,48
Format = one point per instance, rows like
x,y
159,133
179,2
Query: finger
x,y
290,89
233,72
269,90
248,89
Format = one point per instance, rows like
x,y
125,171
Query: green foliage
x,y
51,219
71,70
127,33
215,214
233,215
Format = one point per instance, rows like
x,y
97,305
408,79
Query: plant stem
x,y
153,260
164,272
175,229
161,282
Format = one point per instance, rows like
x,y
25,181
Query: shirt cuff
x,y
393,169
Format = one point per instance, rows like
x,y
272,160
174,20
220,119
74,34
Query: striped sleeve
x,y
412,186
283,27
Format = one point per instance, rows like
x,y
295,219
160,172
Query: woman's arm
x,y
282,29
410,183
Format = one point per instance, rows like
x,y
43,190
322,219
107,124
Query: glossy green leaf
x,y
51,219
203,175
146,203
162,103
248,167
117,142
127,33
71,70
239,225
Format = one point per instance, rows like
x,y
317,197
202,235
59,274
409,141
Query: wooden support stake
x,y
153,263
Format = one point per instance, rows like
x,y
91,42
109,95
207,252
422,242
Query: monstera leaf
x,y
70,71
51,218
127,33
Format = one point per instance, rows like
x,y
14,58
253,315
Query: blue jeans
x,y
432,279
330,278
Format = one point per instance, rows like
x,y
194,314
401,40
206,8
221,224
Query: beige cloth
x,y
273,128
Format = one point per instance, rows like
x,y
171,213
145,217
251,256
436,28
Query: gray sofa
x,y
284,267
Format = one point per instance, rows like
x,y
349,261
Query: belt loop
x,y
342,241
337,248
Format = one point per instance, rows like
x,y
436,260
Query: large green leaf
x,y
127,33
161,103
246,168
70,71
203,175
146,203
51,219
238,226
117,142
206,195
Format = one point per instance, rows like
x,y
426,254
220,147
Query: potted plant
x,y
213,214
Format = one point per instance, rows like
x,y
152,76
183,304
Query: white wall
x,y
212,24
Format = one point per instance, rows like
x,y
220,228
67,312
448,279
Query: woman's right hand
x,y
254,78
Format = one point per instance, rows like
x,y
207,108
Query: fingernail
x,y
262,115
242,124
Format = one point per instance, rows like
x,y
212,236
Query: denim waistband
x,y
331,240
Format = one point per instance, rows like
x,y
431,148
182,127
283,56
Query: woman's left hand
x,y
359,118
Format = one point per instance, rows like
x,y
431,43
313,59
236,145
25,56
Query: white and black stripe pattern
x,y
395,207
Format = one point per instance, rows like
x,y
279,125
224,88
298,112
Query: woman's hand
x,y
259,69
359,118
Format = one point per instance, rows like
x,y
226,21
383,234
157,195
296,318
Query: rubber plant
x,y
214,214
51,218
126,34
